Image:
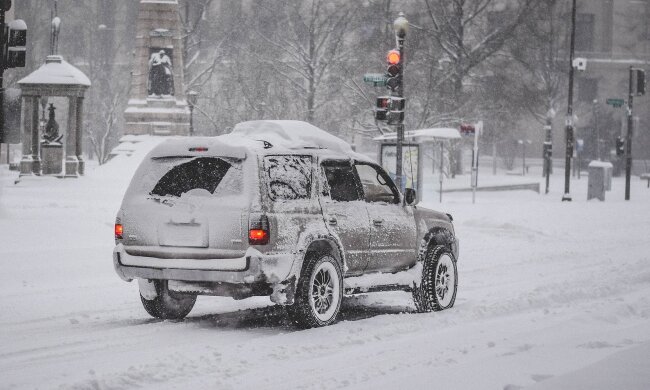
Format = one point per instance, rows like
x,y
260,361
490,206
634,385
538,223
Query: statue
x,y
161,77
52,128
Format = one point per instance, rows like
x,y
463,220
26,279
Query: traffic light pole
x,y
569,118
400,125
2,71
628,140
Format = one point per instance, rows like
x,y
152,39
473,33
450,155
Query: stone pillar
x,y
36,141
79,136
158,27
26,162
71,161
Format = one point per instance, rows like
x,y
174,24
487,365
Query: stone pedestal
x,y
158,28
52,158
157,116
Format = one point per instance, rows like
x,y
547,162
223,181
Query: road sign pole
x,y
477,129
630,132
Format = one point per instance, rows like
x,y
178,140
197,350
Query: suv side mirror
x,y
410,196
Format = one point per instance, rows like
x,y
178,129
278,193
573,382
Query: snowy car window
x,y
288,177
204,173
375,186
342,181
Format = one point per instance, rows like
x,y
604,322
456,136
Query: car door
x,y
392,225
345,212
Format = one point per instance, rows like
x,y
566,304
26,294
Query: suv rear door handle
x,y
332,221
377,221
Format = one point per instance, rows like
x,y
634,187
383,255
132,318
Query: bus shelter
x,y
413,147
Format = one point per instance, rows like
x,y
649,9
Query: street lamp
x,y
569,116
192,97
401,27
548,147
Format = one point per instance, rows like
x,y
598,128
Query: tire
x,y
168,305
437,290
318,293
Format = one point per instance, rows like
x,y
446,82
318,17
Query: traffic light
x,y
638,81
391,109
394,69
395,117
14,47
548,149
620,146
382,107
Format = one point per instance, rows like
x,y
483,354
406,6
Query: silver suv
x,y
279,209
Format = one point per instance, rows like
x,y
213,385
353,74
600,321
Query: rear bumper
x,y
255,270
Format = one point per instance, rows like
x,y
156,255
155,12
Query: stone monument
x,y
54,78
157,103
51,146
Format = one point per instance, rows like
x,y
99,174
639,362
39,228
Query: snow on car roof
x,y
291,135
266,136
199,146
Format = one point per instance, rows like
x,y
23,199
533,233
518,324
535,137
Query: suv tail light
x,y
119,230
258,230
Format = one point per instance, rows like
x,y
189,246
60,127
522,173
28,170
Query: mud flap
x,y
284,292
147,289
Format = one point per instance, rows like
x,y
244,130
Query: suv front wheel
x,y
318,293
437,290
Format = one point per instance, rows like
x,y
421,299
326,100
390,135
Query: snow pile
x,y
600,164
56,71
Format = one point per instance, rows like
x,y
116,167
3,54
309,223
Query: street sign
x,y
467,129
376,79
615,102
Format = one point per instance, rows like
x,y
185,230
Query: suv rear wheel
x,y
318,293
437,290
168,305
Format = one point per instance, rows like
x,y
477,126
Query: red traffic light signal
x,y
393,57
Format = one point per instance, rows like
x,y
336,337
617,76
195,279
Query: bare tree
x,y
309,43
102,134
465,32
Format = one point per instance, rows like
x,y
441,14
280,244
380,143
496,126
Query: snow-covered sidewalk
x,y
551,294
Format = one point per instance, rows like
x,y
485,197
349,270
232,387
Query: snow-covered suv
x,y
282,209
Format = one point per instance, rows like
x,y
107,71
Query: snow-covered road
x,y
551,295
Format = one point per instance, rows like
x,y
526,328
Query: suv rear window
x,y
288,177
200,173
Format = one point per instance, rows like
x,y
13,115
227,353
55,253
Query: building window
x,y
584,32
587,89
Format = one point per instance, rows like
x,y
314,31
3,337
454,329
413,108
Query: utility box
x,y
600,179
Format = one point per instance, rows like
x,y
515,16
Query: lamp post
x,y
548,147
523,143
569,115
401,26
192,97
